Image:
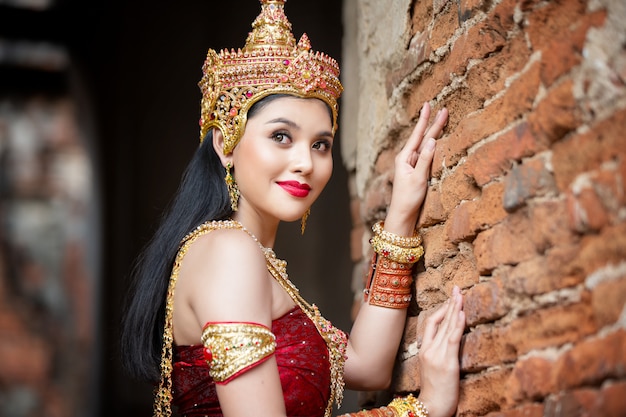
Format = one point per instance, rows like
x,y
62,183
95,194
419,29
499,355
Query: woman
x,y
213,314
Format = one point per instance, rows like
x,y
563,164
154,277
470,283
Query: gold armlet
x,y
389,283
231,349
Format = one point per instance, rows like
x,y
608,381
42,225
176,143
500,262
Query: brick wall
x,y
526,211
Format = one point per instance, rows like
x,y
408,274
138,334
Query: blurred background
x,y
98,117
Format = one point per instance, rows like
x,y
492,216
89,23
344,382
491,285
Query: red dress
x,y
303,365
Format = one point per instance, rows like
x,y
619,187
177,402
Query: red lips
x,y
295,188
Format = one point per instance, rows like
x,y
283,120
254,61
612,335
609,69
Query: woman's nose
x,y
302,159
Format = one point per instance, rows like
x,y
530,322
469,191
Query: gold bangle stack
x,y
407,250
396,253
405,242
408,406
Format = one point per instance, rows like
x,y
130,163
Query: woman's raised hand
x,y
439,357
412,171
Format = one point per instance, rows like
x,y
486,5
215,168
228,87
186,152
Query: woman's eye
x,y
322,145
280,137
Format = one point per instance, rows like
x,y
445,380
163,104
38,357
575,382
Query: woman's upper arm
x,y
229,282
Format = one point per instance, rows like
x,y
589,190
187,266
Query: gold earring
x,y
233,189
305,216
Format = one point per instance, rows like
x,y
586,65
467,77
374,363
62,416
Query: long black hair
x,y
201,196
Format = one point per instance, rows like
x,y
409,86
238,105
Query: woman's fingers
x,y
425,158
414,142
437,127
447,323
430,330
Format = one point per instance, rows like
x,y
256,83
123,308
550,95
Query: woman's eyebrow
x,y
294,125
288,122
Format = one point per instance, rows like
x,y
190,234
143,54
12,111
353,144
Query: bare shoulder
x,y
223,277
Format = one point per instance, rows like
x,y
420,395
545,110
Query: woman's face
x,y
284,160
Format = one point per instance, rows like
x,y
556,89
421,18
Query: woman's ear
x,y
218,146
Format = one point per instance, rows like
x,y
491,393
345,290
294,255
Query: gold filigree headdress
x,y
270,63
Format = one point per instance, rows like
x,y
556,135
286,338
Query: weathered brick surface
x,y
506,243
485,302
526,211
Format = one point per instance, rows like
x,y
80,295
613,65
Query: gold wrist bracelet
x,y
409,406
395,252
402,241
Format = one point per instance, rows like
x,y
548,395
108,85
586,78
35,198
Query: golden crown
x,y
270,63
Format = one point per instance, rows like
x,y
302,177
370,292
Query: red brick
x,y
489,209
516,102
586,212
504,244
406,375
482,393
488,77
446,22
422,15
559,30
591,361
598,200
428,288
458,225
432,210
563,50
550,226
457,187
557,114
608,300
483,347
469,6
597,251
419,50
611,402
548,327
376,199
478,42
460,270
485,302
437,247
587,151
460,102
530,179
543,274
495,158
552,20
551,327
425,88
609,183
576,403
532,379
